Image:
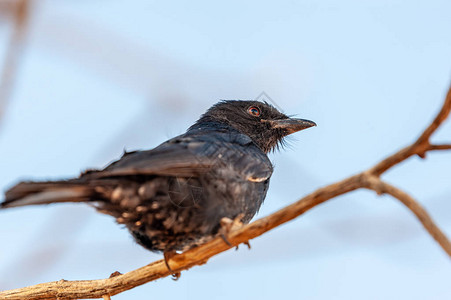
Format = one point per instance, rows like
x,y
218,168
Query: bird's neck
x,y
208,123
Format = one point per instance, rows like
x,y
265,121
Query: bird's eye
x,y
254,111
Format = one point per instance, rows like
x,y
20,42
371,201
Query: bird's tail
x,y
32,193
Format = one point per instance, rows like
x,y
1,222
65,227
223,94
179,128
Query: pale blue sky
x,y
100,76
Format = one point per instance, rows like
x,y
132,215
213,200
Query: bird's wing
x,y
183,158
191,155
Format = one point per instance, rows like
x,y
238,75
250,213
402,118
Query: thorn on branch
x,y
115,274
422,155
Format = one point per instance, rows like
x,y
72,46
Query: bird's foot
x,y
246,243
167,256
228,225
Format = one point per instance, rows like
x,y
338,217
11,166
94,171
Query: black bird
x,y
175,196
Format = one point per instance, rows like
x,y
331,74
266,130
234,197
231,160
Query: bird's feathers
x,y
174,196
32,193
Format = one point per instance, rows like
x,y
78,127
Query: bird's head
x,y
262,122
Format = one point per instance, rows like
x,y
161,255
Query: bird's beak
x,y
292,125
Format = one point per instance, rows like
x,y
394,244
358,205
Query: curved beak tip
x,y
312,124
293,125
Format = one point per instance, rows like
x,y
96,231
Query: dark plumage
x,y
174,196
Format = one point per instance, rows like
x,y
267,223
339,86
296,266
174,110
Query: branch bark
x,y
369,179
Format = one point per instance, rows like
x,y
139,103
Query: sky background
x,y
97,77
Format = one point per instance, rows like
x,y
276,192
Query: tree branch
x,y
440,147
369,179
420,146
381,187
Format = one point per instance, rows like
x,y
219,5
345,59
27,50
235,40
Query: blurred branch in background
x,y
369,179
20,12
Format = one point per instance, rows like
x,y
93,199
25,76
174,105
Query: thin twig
x,y
420,146
368,179
440,147
381,187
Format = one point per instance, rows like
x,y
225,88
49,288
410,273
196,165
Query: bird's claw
x,y
167,256
228,225
246,243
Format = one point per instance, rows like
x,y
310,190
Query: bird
x,y
187,190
